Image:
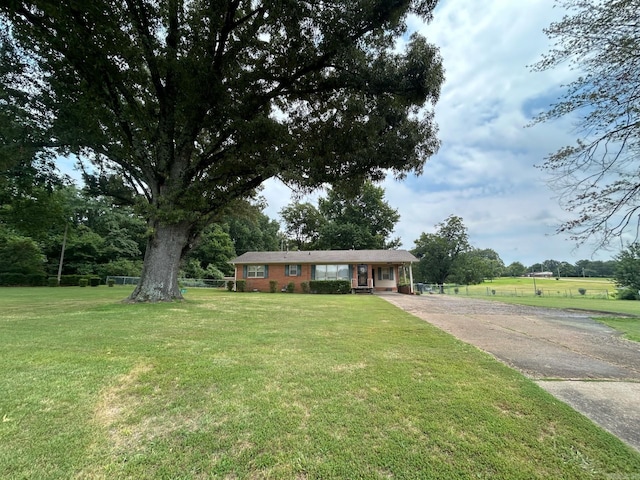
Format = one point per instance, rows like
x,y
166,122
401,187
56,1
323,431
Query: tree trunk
x,y
159,279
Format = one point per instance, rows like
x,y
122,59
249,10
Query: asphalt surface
x,y
578,360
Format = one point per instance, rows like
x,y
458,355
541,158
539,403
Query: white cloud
x,y
485,170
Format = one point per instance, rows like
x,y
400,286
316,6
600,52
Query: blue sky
x,y
485,170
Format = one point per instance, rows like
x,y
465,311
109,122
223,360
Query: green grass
x,y
230,385
561,293
550,287
630,327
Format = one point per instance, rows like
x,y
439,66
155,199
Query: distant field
x,y
563,293
524,286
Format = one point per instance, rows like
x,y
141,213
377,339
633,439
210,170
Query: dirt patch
x,y
591,366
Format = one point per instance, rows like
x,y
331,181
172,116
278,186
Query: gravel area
x,y
580,361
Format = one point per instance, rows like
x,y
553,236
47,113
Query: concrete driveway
x,y
582,362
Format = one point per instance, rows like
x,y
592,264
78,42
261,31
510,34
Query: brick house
x,y
367,270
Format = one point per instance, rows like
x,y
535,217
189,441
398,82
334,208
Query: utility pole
x,y
64,244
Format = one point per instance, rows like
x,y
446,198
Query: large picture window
x,y
255,271
332,272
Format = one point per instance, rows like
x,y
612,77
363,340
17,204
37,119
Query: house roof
x,y
326,256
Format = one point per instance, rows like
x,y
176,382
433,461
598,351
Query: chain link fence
x,y
488,291
183,282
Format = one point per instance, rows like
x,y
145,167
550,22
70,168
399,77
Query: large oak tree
x,y
183,106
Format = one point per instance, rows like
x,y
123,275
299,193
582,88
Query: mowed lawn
x,y
282,386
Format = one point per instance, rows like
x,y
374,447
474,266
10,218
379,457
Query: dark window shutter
x,y
286,270
379,273
313,272
266,271
299,270
244,271
391,269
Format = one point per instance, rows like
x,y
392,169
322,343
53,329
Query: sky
x,y
485,171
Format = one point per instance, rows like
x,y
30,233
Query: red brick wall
x,y
276,272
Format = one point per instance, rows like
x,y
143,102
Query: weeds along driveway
x,y
582,362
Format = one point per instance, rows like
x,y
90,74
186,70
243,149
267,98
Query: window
x,y
332,272
385,273
255,271
292,270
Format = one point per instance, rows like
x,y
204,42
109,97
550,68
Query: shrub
x,y
53,282
36,279
111,282
291,287
94,281
230,285
273,286
582,291
83,282
305,287
13,279
70,280
241,285
627,294
330,286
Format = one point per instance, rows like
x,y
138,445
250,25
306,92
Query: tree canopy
x,y
598,177
184,106
440,253
343,221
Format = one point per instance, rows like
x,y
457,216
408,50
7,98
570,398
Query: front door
x,y
363,277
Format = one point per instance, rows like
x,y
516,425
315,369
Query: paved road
x,y
582,362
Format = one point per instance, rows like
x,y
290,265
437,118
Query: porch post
x,y
411,278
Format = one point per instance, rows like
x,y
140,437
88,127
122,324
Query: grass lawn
x,y
630,327
230,385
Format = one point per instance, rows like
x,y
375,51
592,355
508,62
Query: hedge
x,y
330,286
22,280
74,280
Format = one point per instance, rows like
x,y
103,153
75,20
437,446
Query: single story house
x,y
367,270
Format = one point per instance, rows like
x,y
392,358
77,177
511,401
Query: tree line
x,y
103,238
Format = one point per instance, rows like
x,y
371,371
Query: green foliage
x,y
94,281
302,224
213,251
120,267
53,282
230,285
22,280
291,287
83,282
346,219
440,253
111,282
515,269
129,97
20,254
251,230
582,291
627,294
330,286
273,286
241,285
305,287
71,280
627,273
359,221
